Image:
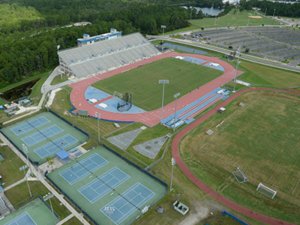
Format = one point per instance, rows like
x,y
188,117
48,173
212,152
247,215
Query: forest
x,y
31,45
273,8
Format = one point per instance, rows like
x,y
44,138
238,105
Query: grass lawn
x,y
143,81
262,139
59,79
19,196
233,18
259,75
9,167
73,221
11,15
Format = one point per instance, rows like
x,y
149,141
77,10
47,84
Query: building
x,y
86,40
106,55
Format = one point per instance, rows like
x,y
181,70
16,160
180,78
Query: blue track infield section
x,y
94,93
127,203
186,114
104,184
23,219
194,60
43,135
83,168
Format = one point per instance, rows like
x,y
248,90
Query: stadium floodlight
x,y
173,163
25,150
237,55
163,82
175,108
48,197
97,115
163,27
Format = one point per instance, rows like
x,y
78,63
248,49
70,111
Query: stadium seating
x,y
106,55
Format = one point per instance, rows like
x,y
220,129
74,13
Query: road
x,y
246,57
43,180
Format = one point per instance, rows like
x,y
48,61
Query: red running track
x,y
150,118
212,193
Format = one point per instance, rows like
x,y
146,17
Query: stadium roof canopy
x,y
106,55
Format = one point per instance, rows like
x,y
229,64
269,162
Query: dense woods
x,y
31,46
273,8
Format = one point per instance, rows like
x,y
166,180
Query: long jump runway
x,y
150,118
215,195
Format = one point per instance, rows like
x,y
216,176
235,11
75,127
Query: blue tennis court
x,y
51,148
127,203
23,219
41,135
27,126
104,184
83,168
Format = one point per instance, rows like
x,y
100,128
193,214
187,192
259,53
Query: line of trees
x,y
273,8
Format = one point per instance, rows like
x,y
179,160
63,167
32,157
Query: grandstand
x,y
105,55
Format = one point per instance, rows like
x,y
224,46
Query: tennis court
x,y
44,135
34,213
107,188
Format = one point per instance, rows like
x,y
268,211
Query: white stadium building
x,y
105,55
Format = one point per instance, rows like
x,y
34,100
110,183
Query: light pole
x,y
237,54
163,82
48,197
274,12
25,150
175,96
98,130
173,163
163,27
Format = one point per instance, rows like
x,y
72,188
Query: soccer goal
x,y
240,176
266,190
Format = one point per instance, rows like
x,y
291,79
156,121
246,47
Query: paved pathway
x,y
200,184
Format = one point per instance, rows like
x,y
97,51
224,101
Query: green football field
x,y
142,82
261,138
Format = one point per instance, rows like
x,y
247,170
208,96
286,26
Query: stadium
x,y
112,74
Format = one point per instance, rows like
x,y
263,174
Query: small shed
x,y
63,155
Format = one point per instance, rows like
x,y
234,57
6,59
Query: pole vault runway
x,y
212,193
150,118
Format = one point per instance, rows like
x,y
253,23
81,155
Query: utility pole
x,y
25,150
175,96
173,163
163,82
237,54
163,27
98,128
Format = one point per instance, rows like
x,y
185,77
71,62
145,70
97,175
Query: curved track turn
x,y
212,193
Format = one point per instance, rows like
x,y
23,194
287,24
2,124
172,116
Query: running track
x,y
215,195
150,118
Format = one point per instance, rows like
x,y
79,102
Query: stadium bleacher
x,y
105,55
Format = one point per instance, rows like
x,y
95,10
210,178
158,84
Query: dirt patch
x,y
255,17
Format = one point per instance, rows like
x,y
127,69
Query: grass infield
x,y
143,81
262,138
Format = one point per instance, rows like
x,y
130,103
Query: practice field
x,y
34,213
262,139
44,135
143,81
108,189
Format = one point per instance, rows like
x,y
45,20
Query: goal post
x,y
239,175
269,192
